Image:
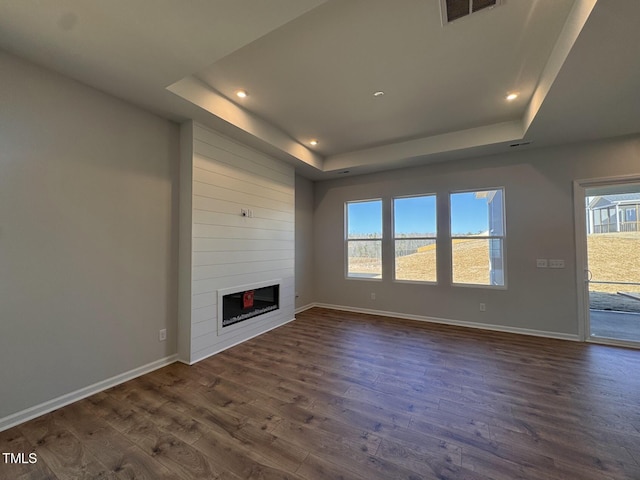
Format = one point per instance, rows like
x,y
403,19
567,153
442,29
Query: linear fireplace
x,y
239,304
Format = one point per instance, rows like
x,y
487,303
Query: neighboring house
x,y
613,213
495,203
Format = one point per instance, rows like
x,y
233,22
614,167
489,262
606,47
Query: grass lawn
x,y
612,257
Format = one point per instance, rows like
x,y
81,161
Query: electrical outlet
x,y
162,335
541,263
244,212
556,263
373,296
483,307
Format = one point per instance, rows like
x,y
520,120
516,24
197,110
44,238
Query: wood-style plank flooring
x,y
338,395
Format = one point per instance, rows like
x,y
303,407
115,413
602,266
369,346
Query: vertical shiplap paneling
x,y
230,250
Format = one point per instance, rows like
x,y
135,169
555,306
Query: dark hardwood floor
x,y
338,395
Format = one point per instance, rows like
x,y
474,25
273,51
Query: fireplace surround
x,y
244,304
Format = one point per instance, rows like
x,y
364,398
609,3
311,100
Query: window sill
x,y
416,282
479,285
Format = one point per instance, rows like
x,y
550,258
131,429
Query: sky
x,y
418,215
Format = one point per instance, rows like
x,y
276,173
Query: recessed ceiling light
x,y
242,94
512,96
379,93
313,142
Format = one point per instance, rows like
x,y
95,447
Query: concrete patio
x,y
616,325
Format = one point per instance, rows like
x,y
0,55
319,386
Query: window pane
x,y
414,216
478,261
364,219
597,220
416,260
364,258
477,213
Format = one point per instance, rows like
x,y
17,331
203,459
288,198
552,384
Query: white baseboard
x,y
305,307
51,405
457,323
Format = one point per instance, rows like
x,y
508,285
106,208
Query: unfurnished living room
x,y
320,239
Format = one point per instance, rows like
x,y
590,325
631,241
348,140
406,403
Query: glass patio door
x,y
613,262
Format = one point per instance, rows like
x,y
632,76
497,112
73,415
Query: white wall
x,y
88,253
540,224
305,284
227,249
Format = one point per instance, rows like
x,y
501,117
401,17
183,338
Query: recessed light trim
x,y
511,97
313,142
242,94
379,93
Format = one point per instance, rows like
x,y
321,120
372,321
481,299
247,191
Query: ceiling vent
x,y
455,9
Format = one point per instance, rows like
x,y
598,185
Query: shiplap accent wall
x,y
227,249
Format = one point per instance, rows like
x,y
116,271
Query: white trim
x,y
479,285
502,238
580,235
347,239
416,282
207,355
69,398
457,323
606,181
366,279
304,307
394,239
251,320
613,342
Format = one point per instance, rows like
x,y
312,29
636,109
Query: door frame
x,y
582,261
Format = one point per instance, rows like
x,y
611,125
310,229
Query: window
x,y
364,239
629,214
414,236
477,237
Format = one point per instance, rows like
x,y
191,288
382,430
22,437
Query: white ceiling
x,y
311,67
315,77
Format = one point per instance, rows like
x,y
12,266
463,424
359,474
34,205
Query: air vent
x,y
455,9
